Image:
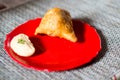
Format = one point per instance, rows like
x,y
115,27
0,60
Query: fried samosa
x,y
58,23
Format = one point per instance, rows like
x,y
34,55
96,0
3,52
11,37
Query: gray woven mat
x,y
104,15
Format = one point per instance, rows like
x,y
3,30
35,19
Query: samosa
x,y
57,23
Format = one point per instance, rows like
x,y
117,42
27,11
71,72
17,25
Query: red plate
x,y
53,53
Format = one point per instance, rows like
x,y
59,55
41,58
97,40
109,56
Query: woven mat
x,y
104,15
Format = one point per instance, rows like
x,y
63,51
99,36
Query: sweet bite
x,y
22,45
57,23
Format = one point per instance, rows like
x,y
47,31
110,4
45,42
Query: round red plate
x,y
53,53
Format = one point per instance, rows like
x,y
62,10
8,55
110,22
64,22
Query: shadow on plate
x,y
38,45
79,30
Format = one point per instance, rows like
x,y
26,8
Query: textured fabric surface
x,y
104,15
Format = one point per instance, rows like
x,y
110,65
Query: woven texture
x,y
104,15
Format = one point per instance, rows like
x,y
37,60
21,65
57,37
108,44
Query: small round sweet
x,y
22,45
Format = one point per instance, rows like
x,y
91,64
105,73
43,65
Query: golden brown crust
x,y
57,22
